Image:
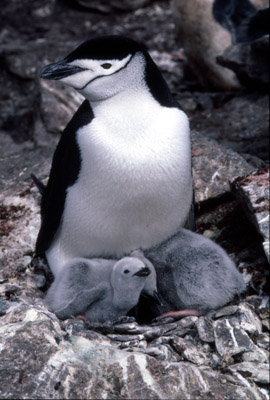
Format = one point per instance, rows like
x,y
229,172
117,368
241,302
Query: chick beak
x,y
59,70
143,272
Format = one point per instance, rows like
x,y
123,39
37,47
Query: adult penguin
x,y
121,174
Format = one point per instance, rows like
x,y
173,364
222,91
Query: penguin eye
x,y
126,271
106,65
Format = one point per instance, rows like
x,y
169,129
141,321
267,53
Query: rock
x,y
58,105
189,351
224,311
246,130
203,40
106,6
10,290
256,355
36,16
263,341
253,192
205,329
20,93
247,319
262,308
61,365
20,224
258,372
230,338
163,352
3,307
222,165
250,63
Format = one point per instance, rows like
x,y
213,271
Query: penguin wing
x,y
80,302
64,172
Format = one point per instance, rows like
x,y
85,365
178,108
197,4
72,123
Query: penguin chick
x,y
124,160
193,273
99,289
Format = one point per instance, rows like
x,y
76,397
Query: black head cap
x,y
105,48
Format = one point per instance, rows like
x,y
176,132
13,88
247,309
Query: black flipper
x,y
64,173
41,187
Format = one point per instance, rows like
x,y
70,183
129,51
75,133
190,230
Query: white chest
x,y
134,188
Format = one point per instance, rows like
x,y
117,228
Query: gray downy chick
x,y
193,273
99,289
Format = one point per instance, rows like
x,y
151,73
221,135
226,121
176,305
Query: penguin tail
x,y
39,184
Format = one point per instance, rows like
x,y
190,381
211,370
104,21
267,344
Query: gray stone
x,y
22,224
224,311
230,338
58,105
125,338
255,371
247,319
249,62
246,130
160,352
253,191
108,6
256,355
222,165
19,97
189,351
264,307
12,289
36,16
263,341
166,353
3,307
205,329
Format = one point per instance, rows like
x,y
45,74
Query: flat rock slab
x,y
258,371
253,191
230,338
214,166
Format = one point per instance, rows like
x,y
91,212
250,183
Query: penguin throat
x,y
125,303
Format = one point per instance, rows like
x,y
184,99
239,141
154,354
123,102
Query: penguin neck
x,y
125,303
125,296
128,102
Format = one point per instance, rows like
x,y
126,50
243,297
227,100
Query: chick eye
x,y
126,271
106,65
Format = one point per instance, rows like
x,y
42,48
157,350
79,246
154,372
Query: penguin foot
x,y
181,314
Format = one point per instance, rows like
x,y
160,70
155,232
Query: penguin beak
x,y
59,70
143,272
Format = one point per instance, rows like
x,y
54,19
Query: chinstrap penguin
x,y
99,289
194,275
121,174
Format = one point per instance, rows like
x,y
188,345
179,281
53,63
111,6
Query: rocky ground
x,y
223,355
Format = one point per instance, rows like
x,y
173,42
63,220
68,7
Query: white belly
x,y
134,189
